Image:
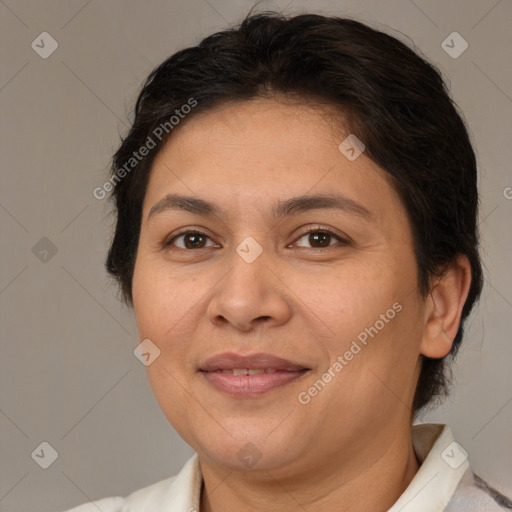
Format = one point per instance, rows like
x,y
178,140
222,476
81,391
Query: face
x,y
317,297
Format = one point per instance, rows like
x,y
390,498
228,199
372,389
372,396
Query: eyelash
x,y
342,241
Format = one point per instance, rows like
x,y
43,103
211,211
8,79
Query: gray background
x,y
67,372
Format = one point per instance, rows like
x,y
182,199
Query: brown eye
x,y
191,240
321,238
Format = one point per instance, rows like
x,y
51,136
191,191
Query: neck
x,y
373,480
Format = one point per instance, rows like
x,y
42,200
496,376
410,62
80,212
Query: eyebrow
x,y
279,210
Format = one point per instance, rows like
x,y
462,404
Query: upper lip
x,y
231,361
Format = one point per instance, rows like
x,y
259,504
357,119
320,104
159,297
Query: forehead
x,y
262,120
257,151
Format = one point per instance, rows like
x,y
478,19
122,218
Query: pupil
x,y
314,237
192,244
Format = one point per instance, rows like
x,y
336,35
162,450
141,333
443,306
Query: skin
x,y
303,301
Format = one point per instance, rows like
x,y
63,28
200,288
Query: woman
x,y
296,232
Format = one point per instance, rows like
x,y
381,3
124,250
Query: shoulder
x,y
179,492
128,504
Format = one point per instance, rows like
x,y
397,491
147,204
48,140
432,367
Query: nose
x,y
250,294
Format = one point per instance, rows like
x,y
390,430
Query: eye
x,y
320,238
192,239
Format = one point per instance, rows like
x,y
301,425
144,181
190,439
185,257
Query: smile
x,y
246,371
249,375
245,383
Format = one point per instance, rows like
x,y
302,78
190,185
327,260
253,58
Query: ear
x,y
444,308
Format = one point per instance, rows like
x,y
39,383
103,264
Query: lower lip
x,y
248,385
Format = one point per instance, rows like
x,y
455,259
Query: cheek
x,y
168,311
372,321
159,301
346,300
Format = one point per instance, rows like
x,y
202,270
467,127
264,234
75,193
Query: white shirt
x,y
444,483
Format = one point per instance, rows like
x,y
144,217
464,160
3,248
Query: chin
x,y
249,456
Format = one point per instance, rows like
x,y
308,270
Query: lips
x,y
246,376
231,361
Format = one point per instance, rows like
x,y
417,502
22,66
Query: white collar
x,y
443,464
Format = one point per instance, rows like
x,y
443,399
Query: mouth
x,y
246,371
245,376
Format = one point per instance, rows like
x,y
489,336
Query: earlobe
x,y
444,308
